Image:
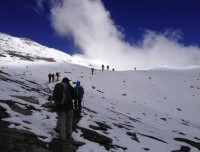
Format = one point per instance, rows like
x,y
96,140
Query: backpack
x,y
79,92
61,96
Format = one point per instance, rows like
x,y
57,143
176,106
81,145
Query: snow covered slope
x,y
154,110
13,49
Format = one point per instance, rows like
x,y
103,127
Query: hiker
x,y
49,76
107,67
63,95
53,77
102,67
57,76
78,95
113,69
92,69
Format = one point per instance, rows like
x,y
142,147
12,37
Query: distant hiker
x,y
102,67
49,76
135,68
107,67
78,95
92,70
53,77
113,69
63,95
57,76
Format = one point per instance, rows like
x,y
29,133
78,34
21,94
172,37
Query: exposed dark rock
x,y
133,136
1,55
101,126
26,98
197,138
27,57
183,149
100,91
20,56
117,146
20,110
1,72
146,149
155,138
130,118
96,137
16,108
164,119
178,109
180,133
90,110
32,82
13,140
184,124
190,142
45,59
121,126
3,113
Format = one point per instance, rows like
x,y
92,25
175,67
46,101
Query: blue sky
x,y
24,19
157,15
141,33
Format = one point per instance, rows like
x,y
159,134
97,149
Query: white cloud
x,y
94,32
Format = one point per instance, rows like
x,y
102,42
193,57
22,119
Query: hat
x,y
66,80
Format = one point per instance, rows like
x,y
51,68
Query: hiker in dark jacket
x,y
92,69
53,77
78,92
63,96
107,67
49,76
102,67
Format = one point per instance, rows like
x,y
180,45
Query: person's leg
x,y
75,104
69,119
61,124
79,105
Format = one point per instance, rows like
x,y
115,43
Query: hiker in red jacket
x,y
57,76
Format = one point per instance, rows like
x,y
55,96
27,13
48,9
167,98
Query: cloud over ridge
x,y
94,32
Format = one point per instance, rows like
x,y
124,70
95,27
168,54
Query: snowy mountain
x,y
124,111
23,49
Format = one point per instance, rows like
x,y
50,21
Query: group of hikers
x,y
67,100
106,67
103,67
51,77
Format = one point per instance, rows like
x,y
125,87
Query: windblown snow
x,y
145,110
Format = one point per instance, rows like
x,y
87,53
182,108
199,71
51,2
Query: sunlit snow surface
x,y
162,103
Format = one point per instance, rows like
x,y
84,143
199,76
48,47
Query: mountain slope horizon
x,y
25,49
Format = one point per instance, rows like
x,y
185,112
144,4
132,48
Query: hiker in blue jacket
x,y
78,96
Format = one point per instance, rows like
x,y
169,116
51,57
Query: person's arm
x,y
71,89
